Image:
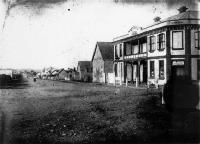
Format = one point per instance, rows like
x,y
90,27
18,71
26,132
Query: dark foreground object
x,y
181,94
6,81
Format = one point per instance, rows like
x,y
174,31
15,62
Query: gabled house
x,y
61,75
54,74
102,61
46,72
84,69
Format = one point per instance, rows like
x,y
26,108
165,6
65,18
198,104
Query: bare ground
x,y
62,112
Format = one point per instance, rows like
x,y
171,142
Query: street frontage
x,y
48,111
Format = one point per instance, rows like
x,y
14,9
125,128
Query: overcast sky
x,y
59,33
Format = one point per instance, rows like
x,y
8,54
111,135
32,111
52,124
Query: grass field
x,y
62,112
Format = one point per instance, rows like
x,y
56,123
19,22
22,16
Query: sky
x,y
59,33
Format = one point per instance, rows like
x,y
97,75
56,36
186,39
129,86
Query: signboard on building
x,y
178,63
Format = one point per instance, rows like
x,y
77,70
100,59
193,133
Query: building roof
x,y
106,49
84,64
187,17
57,71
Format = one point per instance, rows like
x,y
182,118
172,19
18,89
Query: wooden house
x,y
84,69
102,61
62,74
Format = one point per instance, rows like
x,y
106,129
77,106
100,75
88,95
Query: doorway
x,y
178,71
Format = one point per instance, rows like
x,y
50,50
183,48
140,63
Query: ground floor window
x,y
115,67
198,69
152,70
121,70
161,69
197,39
129,72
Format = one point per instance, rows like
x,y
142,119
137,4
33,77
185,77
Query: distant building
x,y
46,72
72,74
102,61
84,69
155,53
61,75
8,72
54,74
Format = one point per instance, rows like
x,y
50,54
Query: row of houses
x,y
83,72
58,74
151,55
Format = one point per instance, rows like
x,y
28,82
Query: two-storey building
x,y
168,47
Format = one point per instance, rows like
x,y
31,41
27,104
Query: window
x,y
135,49
161,41
197,39
132,48
125,49
177,40
144,45
198,69
128,49
152,45
152,73
120,50
141,48
161,69
115,47
116,73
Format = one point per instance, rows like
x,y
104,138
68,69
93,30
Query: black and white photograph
x,y
99,71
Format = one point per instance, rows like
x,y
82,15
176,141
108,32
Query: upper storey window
x,y
135,49
115,47
161,41
177,40
197,39
120,50
128,48
152,43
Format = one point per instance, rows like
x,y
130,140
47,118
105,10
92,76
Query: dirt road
x,y
60,112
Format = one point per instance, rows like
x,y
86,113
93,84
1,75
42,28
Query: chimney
x,y
157,19
182,9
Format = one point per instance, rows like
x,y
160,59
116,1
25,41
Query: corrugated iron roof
x,y
188,15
